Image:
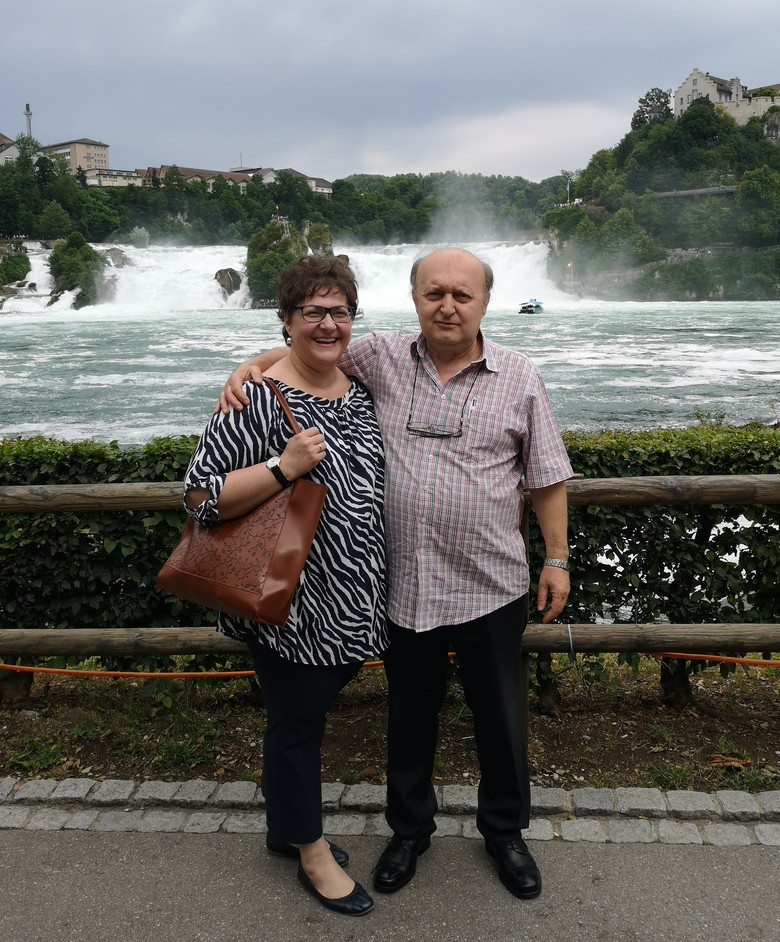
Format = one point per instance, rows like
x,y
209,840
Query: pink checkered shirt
x,y
453,505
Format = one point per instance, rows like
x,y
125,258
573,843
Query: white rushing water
x,y
153,361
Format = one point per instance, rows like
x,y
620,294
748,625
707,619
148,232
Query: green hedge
x,y
682,563
90,570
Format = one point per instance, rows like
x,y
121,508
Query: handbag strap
x,y
285,407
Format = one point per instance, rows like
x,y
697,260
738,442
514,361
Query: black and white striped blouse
x,y
338,610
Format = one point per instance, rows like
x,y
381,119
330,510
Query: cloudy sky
x,y
333,87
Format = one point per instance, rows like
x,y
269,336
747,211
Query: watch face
x,y
272,462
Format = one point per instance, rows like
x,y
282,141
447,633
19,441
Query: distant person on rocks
x,y
337,618
465,423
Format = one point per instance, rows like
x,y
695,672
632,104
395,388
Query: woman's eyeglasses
x,y
314,313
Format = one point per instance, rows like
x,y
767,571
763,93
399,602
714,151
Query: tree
x,y
758,200
97,216
53,222
320,240
268,254
623,242
76,265
654,106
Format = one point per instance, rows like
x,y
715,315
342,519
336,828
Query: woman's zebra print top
x,y
338,610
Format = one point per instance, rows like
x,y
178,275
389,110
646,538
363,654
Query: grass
x,y
612,729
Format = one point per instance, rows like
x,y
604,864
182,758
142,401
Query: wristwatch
x,y
558,563
273,466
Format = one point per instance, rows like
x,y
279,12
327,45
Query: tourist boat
x,y
531,307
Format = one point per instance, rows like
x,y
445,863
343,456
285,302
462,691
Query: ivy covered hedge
x,y
681,563
90,570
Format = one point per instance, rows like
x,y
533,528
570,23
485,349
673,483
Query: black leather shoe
x,y
358,903
288,850
517,869
398,863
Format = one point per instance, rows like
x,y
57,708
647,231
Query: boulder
x,y
229,280
117,257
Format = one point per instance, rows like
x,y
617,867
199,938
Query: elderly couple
x,y
425,442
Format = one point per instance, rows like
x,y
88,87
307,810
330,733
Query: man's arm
x,y
233,393
552,512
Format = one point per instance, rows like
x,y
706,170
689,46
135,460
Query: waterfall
x,y
520,273
165,279
153,361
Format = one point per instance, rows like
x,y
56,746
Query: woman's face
x,y
319,344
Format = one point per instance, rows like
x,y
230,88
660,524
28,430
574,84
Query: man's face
x,y
450,299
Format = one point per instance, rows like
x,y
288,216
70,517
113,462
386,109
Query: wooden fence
x,y
668,490
573,638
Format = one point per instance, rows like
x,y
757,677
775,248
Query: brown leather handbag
x,y
249,566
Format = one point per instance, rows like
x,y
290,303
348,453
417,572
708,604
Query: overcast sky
x,y
334,87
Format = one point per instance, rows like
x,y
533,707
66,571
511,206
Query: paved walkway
x,y
181,861
597,815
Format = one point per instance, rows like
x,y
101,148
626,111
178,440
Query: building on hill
x,y
191,175
115,178
316,184
269,175
736,99
84,153
8,150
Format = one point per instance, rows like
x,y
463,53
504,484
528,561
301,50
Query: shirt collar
x,y
418,348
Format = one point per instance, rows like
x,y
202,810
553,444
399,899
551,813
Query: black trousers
x,y
297,698
488,655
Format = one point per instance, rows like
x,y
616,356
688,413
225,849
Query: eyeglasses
x,y
314,313
438,431
435,431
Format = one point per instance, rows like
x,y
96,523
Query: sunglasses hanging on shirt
x,y
438,431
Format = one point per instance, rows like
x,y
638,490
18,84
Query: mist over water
x,y
153,361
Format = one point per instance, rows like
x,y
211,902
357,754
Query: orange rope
x,y
182,675
178,675
724,660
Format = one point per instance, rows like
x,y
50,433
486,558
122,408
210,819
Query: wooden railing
x,y
714,489
672,489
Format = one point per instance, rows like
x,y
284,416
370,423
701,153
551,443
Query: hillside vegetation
x,y
679,208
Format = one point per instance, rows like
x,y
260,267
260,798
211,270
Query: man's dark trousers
x,y
488,657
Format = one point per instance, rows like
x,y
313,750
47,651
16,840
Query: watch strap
x,y
558,563
277,473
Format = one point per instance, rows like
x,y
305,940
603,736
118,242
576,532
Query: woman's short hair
x,y
310,275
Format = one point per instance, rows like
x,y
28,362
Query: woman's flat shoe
x,y
358,903
288,850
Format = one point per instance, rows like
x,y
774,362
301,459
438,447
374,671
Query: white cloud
x,y
529,141
405,86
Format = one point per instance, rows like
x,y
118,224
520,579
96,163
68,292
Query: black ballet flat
x,y
358,903
288,850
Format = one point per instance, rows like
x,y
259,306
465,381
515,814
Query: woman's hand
x,y
303,452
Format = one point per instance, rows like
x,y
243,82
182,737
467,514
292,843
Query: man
x,y
465,424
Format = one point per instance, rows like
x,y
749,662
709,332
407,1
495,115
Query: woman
x,y
337,618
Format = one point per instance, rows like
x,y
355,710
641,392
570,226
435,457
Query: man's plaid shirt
x,y
453,505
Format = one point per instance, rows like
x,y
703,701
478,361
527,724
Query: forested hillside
x,y
686,207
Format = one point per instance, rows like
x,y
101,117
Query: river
x,y
153,361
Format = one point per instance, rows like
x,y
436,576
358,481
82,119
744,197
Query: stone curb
x,y
603,815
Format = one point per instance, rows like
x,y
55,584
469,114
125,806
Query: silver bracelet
x,y
558,563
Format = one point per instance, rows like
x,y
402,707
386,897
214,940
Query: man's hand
x,y
233,396
553,584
